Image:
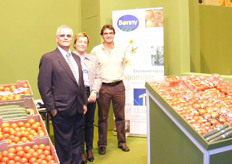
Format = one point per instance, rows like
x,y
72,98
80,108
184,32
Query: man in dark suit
x,y
61,86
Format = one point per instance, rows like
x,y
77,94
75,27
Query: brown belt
x,y
112,84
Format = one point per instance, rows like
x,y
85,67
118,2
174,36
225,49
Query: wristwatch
x,y
94,91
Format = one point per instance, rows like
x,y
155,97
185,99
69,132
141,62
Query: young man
x,y
61,86
112,61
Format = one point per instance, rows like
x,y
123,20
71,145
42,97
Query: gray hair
x,y
61,27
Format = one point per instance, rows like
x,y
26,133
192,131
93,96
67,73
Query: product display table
x,y
171,140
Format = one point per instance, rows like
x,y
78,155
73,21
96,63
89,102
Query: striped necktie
x,y
72,67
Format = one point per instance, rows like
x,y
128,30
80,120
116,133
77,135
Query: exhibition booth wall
x,y
194,40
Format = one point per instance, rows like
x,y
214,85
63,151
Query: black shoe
x,y
124,147
84,161
102,150
90,156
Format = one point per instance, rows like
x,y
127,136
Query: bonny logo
x,y
128,23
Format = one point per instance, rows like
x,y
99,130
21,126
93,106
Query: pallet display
x,y
171,139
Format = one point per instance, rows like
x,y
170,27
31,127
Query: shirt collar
x,y
103,47
63,52
85,55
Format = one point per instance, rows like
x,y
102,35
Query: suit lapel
x,y
64,65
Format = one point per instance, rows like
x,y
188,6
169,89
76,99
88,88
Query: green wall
x,y
27,31
216,38
194,40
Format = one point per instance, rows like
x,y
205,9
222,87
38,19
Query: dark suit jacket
x,y
57,85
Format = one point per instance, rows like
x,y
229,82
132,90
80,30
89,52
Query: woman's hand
x,y
92,97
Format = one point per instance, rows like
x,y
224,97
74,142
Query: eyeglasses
x,y
110,33
63,35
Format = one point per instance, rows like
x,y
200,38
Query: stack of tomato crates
x,y
23,136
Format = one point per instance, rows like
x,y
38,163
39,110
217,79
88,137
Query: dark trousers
x,y
116,94
88,124
68,134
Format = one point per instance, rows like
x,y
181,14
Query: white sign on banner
x,y
140,32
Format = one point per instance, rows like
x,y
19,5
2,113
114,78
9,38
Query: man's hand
x,y
92,97
85,109
53,112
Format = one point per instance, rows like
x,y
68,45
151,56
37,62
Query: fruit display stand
x,y
171,139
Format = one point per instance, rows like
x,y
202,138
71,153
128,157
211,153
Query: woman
x,y
92,81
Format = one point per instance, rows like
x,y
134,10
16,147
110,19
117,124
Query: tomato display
x,y
22,155
204,102
15,133
14,92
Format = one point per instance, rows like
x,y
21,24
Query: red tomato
x,y
2,88
11,161
24,160
46,152
35,154
18,134
5,159
13,125
41,134
43,161
52,161
5,153
11,150
32,150
12,88
42,146
20,153
30,137
33,160
20,123
1,137
25,85
27,125
6,130
36,147
6,89
17,159
49,158
11,156
42,156
24,139
34,127
31,121
27,155
23,128
26,148
47,147
38,123
12,132
6,135
17,129
39,151
16,139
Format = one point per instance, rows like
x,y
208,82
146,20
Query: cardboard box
x,y
27,103
15,92
40,140
37,118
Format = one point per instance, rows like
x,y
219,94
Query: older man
x,y
61,86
